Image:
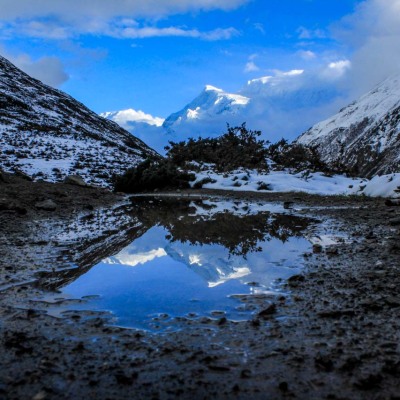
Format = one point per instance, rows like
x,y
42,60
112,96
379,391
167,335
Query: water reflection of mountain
x,y
215,243
84,241
201,223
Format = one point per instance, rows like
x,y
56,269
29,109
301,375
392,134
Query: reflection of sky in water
x,y
153,275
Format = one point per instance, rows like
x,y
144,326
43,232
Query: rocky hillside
x,y
48,135
364,137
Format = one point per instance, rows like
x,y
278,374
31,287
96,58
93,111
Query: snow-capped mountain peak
x,y
209,103
210,88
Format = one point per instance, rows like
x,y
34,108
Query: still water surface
x,y
189,260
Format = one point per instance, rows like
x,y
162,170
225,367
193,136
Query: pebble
x,y
46,205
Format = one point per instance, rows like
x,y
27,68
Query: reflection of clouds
x,y
131,260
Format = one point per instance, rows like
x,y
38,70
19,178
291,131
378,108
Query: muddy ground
x,y
334,335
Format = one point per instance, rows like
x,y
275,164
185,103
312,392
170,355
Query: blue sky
x,y
157,55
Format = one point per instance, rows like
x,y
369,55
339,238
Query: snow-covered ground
x,y
312,183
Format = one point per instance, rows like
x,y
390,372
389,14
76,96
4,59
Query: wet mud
x,y
333,332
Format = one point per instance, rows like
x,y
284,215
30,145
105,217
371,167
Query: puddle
x,y
190,259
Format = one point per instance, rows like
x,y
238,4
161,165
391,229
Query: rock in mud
x,y
267,312
332,251
3,178
75,180
295,280
392,202
317,248
395,221
46,205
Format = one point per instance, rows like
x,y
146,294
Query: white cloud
x,y
121,29
49,70
259,27
373,32
125,117
336,69
63,19
98,9
251,67
307,54
147,32
307,34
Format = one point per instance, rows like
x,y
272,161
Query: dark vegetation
x,y
238,148
240,234
295,156
153,174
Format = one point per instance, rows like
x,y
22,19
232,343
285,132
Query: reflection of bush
x,y
240,234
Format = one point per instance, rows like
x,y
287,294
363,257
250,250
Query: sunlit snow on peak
x,y
237,274
194,259
209,88
132,260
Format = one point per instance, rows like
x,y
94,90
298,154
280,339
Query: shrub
x,y
204,181
153,174
238,147
263,186
295,156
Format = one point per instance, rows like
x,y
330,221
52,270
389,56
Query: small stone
x,y
283,386
317,248
124,379
324,363
3,177
246,373
40,396
392,202
271,309
295,280
394,221
46,205
22,175
393,301
74,180
332,251
287,205
222,321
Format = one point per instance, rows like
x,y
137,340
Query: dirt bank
x,y
335,336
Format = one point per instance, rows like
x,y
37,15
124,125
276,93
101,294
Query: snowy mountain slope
x,y
48,135
363,137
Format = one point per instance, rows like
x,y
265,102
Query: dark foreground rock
x,y
335,336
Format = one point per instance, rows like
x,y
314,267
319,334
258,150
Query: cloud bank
x,y
104,9
49,70
64,19
373,32
125,118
